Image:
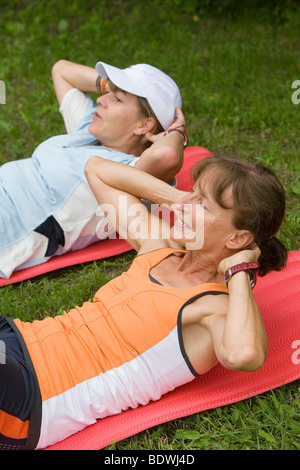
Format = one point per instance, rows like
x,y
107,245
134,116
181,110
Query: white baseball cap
x,y
147,81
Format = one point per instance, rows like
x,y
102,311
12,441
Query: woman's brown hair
x,y
258,203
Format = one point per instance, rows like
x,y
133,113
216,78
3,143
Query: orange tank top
x,y
119,351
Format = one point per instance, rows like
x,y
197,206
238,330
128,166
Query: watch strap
x,y
251,268
185,137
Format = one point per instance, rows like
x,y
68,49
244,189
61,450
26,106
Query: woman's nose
x,y
101,100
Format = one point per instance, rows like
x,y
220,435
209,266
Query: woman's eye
x,y
118,97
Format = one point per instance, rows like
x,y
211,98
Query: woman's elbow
x,y
170,160
253,361
248,360
58,67
90,166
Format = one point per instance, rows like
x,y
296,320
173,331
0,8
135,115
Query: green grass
x,y
235,72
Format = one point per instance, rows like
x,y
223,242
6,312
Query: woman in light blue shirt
x,y
46,205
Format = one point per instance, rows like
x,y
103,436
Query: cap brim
x,y
119,78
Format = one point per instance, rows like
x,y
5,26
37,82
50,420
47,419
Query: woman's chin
x,y
187,237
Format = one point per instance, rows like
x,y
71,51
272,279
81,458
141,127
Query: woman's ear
x,y
239,239
145,125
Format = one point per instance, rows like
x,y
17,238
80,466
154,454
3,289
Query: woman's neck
x,y
202,266
130,148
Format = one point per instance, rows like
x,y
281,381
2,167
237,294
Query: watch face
x,y
227,274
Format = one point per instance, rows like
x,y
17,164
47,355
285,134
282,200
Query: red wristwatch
x,y
185,137
251,268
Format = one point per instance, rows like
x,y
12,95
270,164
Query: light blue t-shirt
x,y
34,188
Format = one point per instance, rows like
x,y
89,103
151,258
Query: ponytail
x,y
273,256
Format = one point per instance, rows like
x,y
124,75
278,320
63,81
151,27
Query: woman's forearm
x,y
244,340
67,75
238,332
164,158
130,180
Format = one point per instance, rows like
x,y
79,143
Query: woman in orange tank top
x,y
226,224
185,304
